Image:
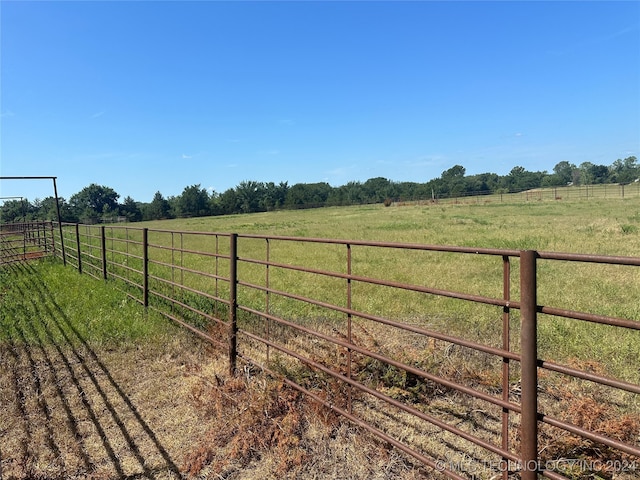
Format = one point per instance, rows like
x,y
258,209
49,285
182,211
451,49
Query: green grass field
x,y
597,226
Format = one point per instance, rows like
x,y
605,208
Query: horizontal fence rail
x,y
358,326
25,241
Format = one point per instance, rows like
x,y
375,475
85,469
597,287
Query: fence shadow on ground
x,y
70,416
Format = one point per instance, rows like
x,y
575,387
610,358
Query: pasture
x,y
596,226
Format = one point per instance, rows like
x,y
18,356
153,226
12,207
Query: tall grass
x,y
598,226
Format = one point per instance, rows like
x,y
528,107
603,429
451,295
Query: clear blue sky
x,y
156,96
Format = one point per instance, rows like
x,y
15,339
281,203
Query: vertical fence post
x,y
506,346
103,248
78,246
55,192
529,364
233,303
349,330
145,267
53,241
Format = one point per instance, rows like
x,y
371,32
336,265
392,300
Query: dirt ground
x,y
72,411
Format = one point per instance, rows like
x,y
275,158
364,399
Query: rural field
x,y
94,387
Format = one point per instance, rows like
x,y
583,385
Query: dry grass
x,y
167,412
158,407
80,412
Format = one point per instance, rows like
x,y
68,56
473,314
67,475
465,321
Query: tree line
x,y
97,203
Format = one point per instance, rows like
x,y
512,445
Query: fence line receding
x,y
358,326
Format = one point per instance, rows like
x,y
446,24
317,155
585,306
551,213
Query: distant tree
x,y
481,184
564,172
249,194
228,202
158,209
624,171
14,211
453,181
131,210
519,179
89,204
194,202
591,173
274,195
376,190
308,195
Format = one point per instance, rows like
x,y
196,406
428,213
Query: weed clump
x,y
251,418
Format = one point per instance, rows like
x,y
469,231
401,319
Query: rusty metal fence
x,y
25,241
357,326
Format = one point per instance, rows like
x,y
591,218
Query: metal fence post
x,y
233,303
78,245
529,365
145,267
103,247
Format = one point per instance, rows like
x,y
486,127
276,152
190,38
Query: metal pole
x,y
145,268
55,192
103,246
506,346
529,365
78,246
233,303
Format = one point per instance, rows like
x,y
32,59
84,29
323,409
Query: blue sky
x,y
156,96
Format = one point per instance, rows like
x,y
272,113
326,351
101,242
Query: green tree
x,y
131,210
519,179
194,202
228,202
308,195
274,195
158,209
624,171
89,204
453,181
249,194
14,211
564,172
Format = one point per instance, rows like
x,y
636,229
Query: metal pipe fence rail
x,y
25,241
358,326
577,192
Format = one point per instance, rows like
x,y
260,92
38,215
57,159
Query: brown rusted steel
x,y
233,303
385,321
437,465
349,327
267,296
592,377
191,328
590,435
506,345
392,401
55,192
408,368
145,267
103,249
395,245
386,283
529,365
586,258
590,317
180,286
78,248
